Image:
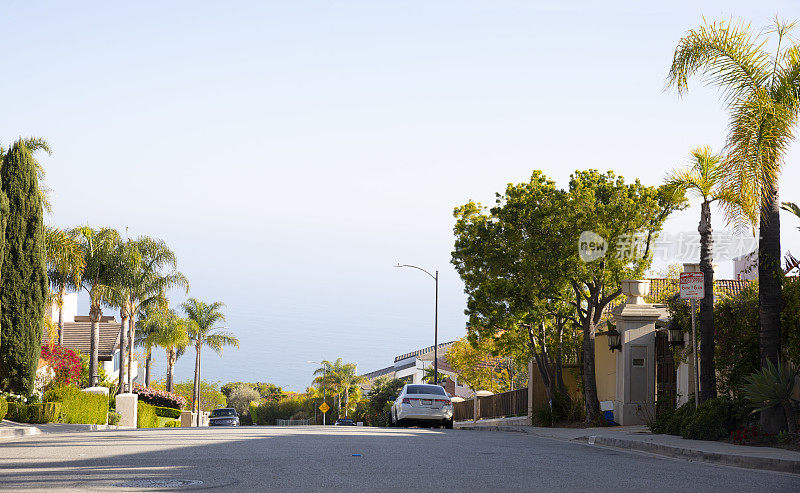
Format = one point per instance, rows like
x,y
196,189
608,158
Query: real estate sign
x,y
692,286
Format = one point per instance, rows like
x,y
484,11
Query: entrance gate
x,y
666,374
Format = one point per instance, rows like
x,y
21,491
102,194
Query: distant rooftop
x,y
420,352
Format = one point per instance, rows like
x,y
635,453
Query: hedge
x,y
168,412
79,407
156,397
173,424
18,412
3,409
44,413
146,416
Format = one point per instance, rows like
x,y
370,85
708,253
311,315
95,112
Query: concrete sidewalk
x,y
11,429
639,438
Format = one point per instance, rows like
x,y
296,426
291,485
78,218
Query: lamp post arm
x,y
418,268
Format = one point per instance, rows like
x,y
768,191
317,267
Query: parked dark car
x,y
344,422
225,416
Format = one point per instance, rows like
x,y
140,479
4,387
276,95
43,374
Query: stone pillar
x,y
127,409
187,419
635,363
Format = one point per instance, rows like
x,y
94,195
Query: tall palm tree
x,y
705,179
148,269
328,377
349,379
202,318
174,338
761,91
154,320
98,247
65,264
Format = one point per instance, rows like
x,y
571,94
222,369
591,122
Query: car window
x,y
425,389
220,413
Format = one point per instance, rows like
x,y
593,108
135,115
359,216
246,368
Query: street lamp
x,y
435,320
613,339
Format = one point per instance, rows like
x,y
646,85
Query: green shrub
x,y
18,412
669,422
716,418
114,417
173,424
44,413
254,412
77,406
168,412
146,416
3,409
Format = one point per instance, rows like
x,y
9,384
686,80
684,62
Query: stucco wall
x,y
605,365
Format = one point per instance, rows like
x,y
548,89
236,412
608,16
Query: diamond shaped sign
x,y
324,407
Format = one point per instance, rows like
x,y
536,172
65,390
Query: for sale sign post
x,y
692,286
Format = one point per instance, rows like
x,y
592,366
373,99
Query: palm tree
x,y
201,321
761,92
174,338
705,179
65,264
147,269
349,379
153,322
98,247
328,377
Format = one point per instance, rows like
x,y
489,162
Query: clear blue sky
x,y
292,152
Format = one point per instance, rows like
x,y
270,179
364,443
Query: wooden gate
x,y
666,374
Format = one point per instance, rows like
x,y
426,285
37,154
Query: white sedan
x,y
423,404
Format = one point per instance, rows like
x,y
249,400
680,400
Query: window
x,y
425,389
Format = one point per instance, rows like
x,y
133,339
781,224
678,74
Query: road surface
x,y
322,459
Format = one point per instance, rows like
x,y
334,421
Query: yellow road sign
x,y
324,407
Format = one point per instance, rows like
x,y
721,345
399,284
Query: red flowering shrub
x,y
158,398
64,362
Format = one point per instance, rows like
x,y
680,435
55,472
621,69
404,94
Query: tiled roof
x,y
77,336
420,352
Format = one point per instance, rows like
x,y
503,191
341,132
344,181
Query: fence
x,y
291,422
512,403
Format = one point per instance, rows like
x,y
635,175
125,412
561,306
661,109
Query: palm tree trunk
x,y
147,368
123,355
708,376
195,389
770,275
131,329
346,399
61,316
170,368
94,315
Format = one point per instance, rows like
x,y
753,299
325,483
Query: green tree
x,y
65,265
430,375
705,178
471,364
380,397
760,91
210,396
23,294
98,247
201,321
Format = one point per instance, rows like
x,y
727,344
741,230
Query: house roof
x,y
379,373
420,352
77,336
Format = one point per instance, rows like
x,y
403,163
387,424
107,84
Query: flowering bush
x,y
64,362
742,435
160,398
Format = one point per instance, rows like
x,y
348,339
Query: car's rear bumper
x,y
212,423
443,414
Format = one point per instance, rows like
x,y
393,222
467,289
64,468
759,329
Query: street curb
x,y
779,465
19,432
515,429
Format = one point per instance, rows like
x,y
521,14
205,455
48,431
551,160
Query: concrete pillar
x,y
127,409
187,419
635,363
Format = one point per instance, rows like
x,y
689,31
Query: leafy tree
x,y
760,91
65,265
23,292
265,390
380,397
240,398
705,179
470,362
210,396
35,144
98,247
201,321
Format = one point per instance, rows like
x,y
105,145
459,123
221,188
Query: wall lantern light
x,y
614,338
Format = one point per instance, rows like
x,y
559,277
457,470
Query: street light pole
x,y
435,320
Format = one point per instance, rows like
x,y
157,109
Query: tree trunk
x,y
195,390
589,378
170,368
123,355
131,330
61,316
148,361
94,315
769,296
708,376
346,400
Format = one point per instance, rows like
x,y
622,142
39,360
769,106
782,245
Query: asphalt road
x,y
321,459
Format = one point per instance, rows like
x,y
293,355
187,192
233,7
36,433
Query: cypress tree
x,y
3,219
23,277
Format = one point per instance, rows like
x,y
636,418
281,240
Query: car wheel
x,y
448,425
392,421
